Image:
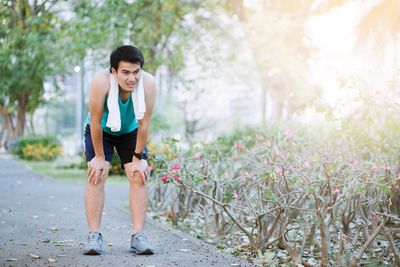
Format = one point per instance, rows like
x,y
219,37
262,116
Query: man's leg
x,y
138,198
138,203
94,204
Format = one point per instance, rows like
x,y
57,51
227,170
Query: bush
x,y
40,148
320,199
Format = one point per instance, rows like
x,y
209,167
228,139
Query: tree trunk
x,y
264,106
11,134
21,114
277,103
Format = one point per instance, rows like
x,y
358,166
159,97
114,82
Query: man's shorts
x,y
124,144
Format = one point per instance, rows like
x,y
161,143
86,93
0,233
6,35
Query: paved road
x,y
45,217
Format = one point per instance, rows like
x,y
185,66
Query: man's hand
x,y
97,170
139,166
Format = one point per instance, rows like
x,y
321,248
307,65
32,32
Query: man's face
x,y
127,75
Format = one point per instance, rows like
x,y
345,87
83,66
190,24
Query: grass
x,y
58,170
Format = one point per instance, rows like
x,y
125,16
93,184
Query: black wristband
x,y
137,155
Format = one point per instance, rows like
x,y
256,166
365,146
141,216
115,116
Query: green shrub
x,y
40,148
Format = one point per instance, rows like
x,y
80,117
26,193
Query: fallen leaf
x,y
65,241
34,256
53,228
11,259
51,260
185,239
46,241
184,250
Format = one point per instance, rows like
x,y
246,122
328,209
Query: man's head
x,y
127,53
126,64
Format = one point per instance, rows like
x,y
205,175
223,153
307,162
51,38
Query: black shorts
x,y
124,144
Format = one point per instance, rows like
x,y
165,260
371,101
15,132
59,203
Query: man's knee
x,y
136,179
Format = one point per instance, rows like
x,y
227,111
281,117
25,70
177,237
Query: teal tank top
x,y
129,122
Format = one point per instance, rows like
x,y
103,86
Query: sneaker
x,y
140,245
94,245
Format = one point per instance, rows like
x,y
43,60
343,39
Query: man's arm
x,y
143,130
99,87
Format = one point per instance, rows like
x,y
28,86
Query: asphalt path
x,y
42,223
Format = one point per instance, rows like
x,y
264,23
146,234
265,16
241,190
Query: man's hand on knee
x,y
98,169
139,170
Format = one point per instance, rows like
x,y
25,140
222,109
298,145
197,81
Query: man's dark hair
x,y
128,53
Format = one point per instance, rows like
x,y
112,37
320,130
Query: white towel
x,y
138,99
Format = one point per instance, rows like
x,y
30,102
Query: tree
x,y
275,33
380,25
38,41
28,32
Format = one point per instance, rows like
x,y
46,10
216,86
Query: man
x,y
128,139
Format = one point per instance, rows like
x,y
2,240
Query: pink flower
x,y
268,142
278,169
165,178
288,133
177,178
239,146
398,176
336,190
196,155
235,195
149,168
307,164
375,168
176,167
356,163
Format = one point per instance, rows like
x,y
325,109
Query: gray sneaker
x,y
140,245
94,244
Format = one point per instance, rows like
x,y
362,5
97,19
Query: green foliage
x,y
40,148
156,27
37,44
263,175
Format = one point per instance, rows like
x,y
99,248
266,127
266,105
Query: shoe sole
x,y
145,252
93,252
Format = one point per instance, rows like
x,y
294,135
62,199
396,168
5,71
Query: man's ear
x,y
113,71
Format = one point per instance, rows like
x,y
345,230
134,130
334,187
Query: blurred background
x,y
276,123
219,65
